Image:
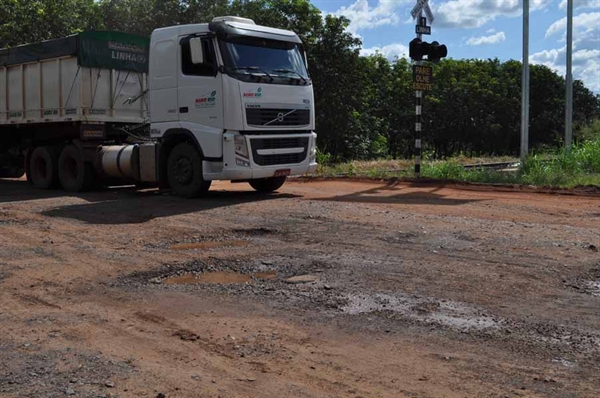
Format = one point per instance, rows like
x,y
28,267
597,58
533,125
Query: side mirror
x,y
196,50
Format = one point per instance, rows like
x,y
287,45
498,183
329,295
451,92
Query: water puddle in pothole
x,y
451,314
209,245
218,277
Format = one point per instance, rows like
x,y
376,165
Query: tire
x,y
43,166
266,185
74,173
184,172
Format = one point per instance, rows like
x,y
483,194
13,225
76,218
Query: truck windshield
x,y
278,61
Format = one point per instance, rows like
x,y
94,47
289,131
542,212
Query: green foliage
x,y
589,131
30,21
323,158
564,168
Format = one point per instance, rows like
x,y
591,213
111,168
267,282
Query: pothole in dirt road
x,y
218,277
238,237
228,271
451,314
284,281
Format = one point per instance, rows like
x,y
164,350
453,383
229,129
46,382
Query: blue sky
x,y
481,29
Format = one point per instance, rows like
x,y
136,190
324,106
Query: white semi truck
x,y
226,100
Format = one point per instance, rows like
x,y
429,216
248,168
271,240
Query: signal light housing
x,y
433,51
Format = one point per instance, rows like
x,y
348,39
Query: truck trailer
x,y
225,100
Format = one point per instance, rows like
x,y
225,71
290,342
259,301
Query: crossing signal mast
x,y
419,51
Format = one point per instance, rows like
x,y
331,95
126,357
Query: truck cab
x,y
230,100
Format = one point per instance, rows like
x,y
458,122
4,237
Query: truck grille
x,y
277,117
279,143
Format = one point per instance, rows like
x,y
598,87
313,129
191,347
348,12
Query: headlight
x,y
241,148
242,162
313,152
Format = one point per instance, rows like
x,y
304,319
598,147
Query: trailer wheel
x,y
184,172
266,185
74,173
42,167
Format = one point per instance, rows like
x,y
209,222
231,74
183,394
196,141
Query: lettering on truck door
x,y
200,92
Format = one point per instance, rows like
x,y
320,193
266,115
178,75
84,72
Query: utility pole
x,y
525,85
569,79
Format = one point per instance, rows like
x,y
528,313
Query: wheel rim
x,y
183,169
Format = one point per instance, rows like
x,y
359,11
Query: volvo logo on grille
x,y
280,117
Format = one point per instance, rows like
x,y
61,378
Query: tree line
x,y
364,105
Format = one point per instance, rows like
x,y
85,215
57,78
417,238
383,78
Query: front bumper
x,y
266,154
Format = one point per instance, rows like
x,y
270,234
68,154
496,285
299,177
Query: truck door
x,y
200,94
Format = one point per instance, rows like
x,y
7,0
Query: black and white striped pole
x,y
418,110
418,131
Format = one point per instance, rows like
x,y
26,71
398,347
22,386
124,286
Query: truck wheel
x,y
184,172
266,185
74,173
42,167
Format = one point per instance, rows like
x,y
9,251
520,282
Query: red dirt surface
x,y
416,291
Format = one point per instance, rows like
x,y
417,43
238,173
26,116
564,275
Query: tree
x,y
334,62
36,20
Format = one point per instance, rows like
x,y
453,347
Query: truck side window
x,y
208,68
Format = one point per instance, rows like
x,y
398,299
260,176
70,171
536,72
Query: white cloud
x,y
390,51
491,39
583,24
476,13
554,59
363,15
490,31
580,4
586,49
586,64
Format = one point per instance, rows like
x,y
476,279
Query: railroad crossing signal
x,y
434,51
422,5
422,75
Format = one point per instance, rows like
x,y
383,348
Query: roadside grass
x,y
579,167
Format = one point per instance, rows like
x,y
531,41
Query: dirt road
x,y
327,289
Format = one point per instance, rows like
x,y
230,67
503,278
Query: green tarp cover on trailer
x,y
113,50
110,50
